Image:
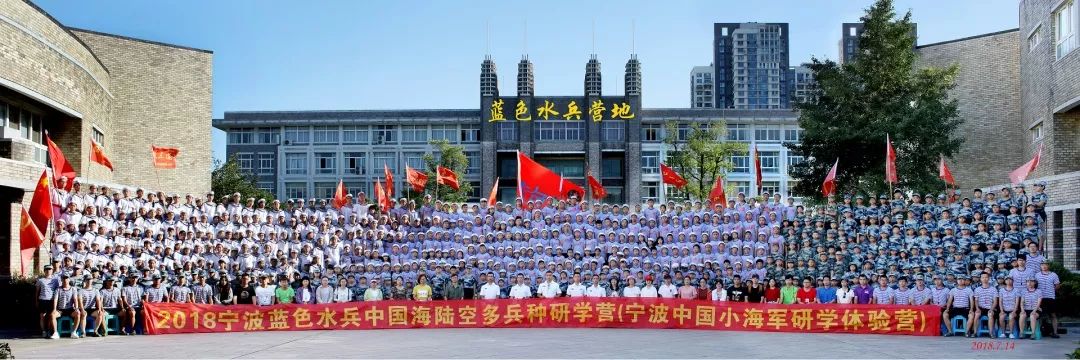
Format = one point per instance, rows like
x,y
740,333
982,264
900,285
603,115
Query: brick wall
x,y
1049,84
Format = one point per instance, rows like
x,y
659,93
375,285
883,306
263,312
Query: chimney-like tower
x,y
525,85
633,76
592,77
489,81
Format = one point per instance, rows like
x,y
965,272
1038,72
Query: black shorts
x,y
1028,313
1048,306
45,306
67,312
954,312
1007,313
988,313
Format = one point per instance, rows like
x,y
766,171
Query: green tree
x,y
452,157
227,178
699,155
880,93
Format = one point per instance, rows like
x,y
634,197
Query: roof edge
x,y
152,42
68,30
1017,30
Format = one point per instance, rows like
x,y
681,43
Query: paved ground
x,y
533,343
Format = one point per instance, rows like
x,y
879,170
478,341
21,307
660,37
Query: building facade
x,y
82,86
802,85
702,90
302,154
849,41
751,62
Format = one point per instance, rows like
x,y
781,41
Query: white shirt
x,y
594,291
489,291
668,291
264,295
632,291
549,289
844,297
719,295
649,291
342,294
575,290
519,291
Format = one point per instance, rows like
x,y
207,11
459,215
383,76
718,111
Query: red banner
x,y
173,318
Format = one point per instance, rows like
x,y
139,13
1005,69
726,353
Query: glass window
x,y
793,135
612,131
325,163
1065,28
570,168
471,133
770,161
444,132
268,135
791,188
246,161
742,186
611,168
741,163
296,190
352,134
794,159
266,185
326,135
297,135
474,162
773,187
738,132
650,190
559,130
650,162
767,134
266,164
325,190
508,131
414,134
355,163
241,136
415,160
354,187
385,134
1037,132
651,132
98,136
295,164
379,159
683,132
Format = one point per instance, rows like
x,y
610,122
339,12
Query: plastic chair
x,y
1036,332
983,326
112,324
959,325
65,325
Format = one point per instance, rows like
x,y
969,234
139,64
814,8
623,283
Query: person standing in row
x,y
453,290
46,287
324,294
65,303
520,290
421,291
576,288
1048,283
986,299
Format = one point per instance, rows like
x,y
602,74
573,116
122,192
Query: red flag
x,y
41,211
717,195
339,195
1017,176
890,161
757,167
389,181
381,198
598,191
446,177
493,195
164,157
830,180
417,179
944,173
535,182
669,176
29,238
60,166
97,154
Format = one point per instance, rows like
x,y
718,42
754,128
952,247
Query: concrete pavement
x,y
534,343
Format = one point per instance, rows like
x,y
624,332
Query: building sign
x,y
654,313
559,108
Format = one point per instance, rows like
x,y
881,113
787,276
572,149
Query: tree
x,y
227,178
880,93
452,157
699,155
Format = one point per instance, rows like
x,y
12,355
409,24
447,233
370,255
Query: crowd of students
x,y
972,256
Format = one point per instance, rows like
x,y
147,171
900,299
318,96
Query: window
x,y
1037,132
650,190
297,135
474,163
295,164
851,31
738,132
612,131
651,132
325,190
415,160
508,167
326,135
1034,39
98,136
414,134
1065,28
674,194
793,135
385,134
650,162
741,163
791,188
471,133
246,161
265,185
240,136
295,190
355,134
266,164
388,159
772,187
559,130
742,186
508,131
355,163
444,132
611,168
770,161
268,135
793,160
682,132
767,134
325,163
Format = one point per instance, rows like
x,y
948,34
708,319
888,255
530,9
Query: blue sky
x,y
335,55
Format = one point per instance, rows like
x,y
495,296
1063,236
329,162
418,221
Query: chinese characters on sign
x,y
173,318
608,108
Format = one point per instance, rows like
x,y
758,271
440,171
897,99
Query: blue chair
x,y
65,325
983,326
112,324
959,325
1035,333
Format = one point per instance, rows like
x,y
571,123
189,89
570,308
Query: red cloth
x,y
447,177
97,154
494,194
806,296
598,191
60,166
772,295
536,182
41,211
417,179
339,195
717,195
165,157
1021,173
669,176
944,173
829,185
890,161
389,181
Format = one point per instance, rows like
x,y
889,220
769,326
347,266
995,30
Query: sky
x,y
405,54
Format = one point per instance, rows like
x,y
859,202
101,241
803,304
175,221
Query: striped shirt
x,y
883,295
110,298
940,296
155,294
180,293
48,288
202,293
920,297
961,297
1021,276
985,295
1046,282
903,296
65,298
89,298
133,295
1008,298
1031,299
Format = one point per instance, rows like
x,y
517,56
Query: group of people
x,y
112,251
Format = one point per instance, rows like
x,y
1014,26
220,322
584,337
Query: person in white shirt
x,y
649,290
264,293
549,288
596,290
520,290
719,293
490,290
576,288
342,293
667,289
844,294
324,294
631,290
